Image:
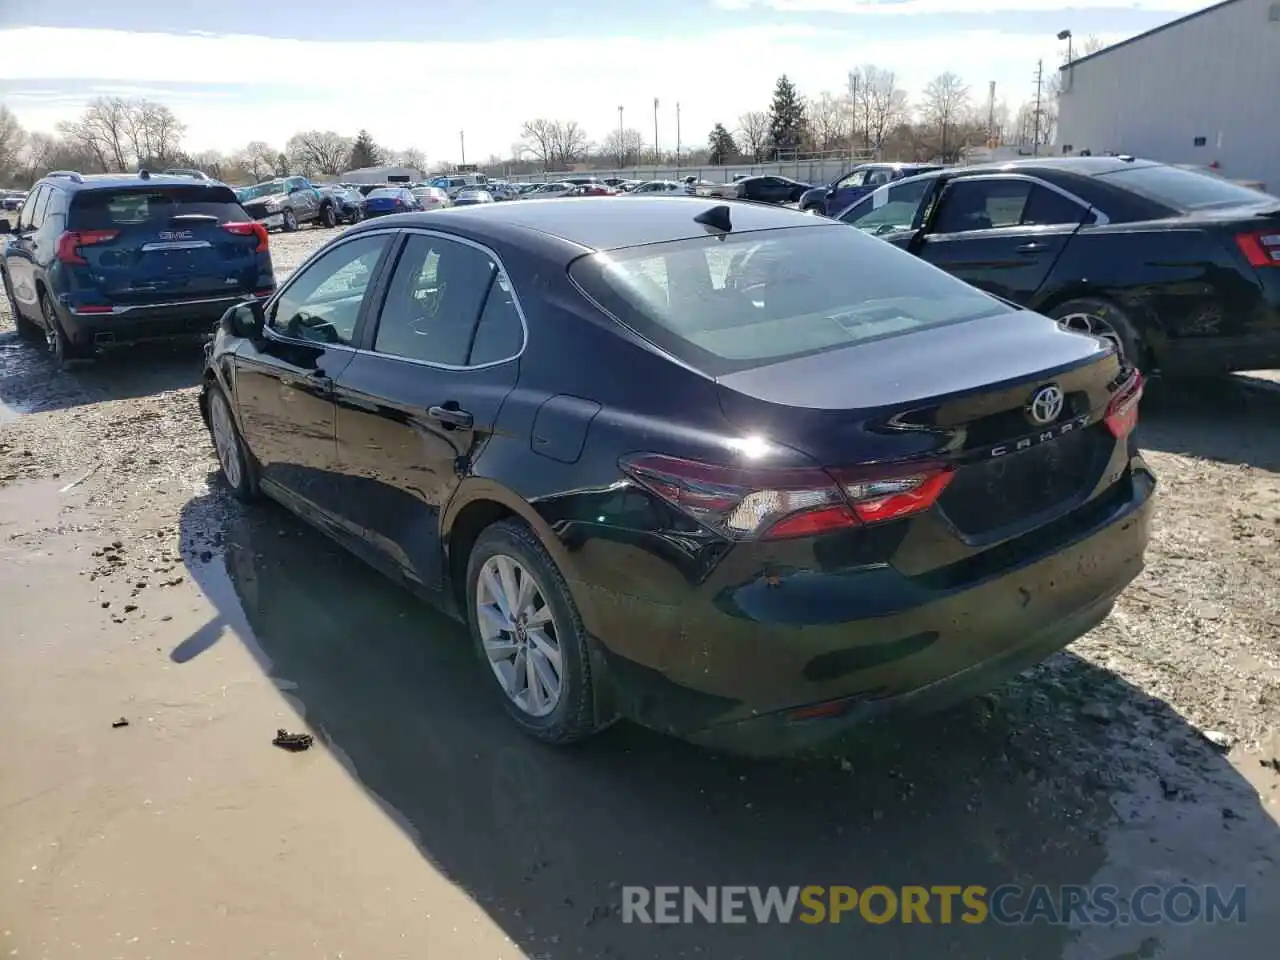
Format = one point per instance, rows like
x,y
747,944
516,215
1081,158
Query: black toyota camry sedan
x,y
740,474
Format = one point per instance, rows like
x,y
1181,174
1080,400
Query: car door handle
x,y
451,417
1033,246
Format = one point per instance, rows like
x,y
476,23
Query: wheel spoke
x,y
547,679
537,700
525,594
493,589
539,618
549,651
493,622
510,590
501,648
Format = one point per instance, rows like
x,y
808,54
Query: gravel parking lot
x,y
132,586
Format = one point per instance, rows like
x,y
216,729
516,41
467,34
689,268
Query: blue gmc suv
x,y
100,260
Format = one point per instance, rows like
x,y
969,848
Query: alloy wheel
x,y
225,441
519,635
1091,323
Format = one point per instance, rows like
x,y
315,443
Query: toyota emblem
x,y
1046,405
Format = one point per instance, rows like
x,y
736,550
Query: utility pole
x,y
677,134
656,154
991,115
1035,146
622,141
462,146
853,108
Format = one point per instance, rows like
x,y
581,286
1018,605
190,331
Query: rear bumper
x,y
141,323
765,684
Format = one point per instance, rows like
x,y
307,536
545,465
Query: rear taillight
x,y
250,228
70,242
1122,411
766,504
1261,249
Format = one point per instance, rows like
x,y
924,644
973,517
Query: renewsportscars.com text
x,y
938,904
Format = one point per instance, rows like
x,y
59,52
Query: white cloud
x,y
934,7
423,94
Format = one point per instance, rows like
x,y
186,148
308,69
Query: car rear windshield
x,y
134,206
392,192
1185,189
752,299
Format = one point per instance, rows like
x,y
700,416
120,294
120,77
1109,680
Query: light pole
x,y
622,140
677,134
656,155
462,146
1066,35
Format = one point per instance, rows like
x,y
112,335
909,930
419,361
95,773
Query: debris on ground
x,y
293,741
122,722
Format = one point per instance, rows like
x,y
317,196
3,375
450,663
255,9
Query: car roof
x,y
1081,166
107,181
593,222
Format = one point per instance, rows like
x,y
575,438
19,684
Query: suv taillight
x,y
1262,249
1122,411
764,504
249,228
70,242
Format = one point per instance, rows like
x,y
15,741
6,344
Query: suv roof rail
x,y
71,175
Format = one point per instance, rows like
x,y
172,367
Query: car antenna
x,y
717,218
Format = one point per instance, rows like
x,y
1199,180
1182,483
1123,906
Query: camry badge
x,y
1046,404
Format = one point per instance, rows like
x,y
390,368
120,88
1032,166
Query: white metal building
x,y
382,175
1199,90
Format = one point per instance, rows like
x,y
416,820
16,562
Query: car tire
x,y
328,217
66,354
507,553
28,330
289,222
239,469
1103,318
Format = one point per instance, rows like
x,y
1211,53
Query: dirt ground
x,y
423,825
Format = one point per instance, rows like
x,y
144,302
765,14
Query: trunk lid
x,y
963,395
163,242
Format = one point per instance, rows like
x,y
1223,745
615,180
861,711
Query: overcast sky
x,y
416,73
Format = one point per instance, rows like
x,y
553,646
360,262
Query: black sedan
x,y
1179,268
738,473
771,189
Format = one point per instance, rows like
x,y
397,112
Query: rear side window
x,y
1184,189
151,206
762,297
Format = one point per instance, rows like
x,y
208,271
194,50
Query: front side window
x,y
434,301
744,301
889,209
855,179
26,219
323,303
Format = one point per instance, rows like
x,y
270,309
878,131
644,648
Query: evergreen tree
x,y
786,118
364,152
723,149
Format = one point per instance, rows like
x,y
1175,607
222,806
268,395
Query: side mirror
x,y
245,320
831,191
5,227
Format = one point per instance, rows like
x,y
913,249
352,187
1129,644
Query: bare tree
x,y
318,152
413,158
162,132
622,147
753,134
829,118
12,140
540,140
570,143
1092,44
946,101
882,105
258,158
103,131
